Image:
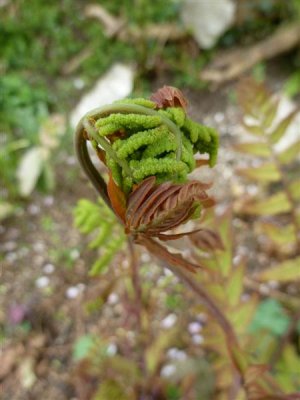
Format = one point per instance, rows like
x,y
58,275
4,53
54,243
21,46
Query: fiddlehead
x,y
141,140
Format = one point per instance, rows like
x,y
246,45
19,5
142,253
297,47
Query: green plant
x,y
148,205
274,175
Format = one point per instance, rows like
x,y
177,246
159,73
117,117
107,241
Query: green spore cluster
x,y
153,142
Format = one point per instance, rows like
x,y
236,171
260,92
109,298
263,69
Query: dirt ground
x,y
45,263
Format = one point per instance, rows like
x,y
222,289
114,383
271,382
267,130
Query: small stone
x,y
9,246
49,268
113,298
169,321
34,209
74,254
48,201
197,339
194,327
176,354
145,258
168,370
42,282
264,289
72,292
38,247
78,83
111,349
11,257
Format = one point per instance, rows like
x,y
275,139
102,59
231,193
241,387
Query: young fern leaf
x,y
100,222
258,104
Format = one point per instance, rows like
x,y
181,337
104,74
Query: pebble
x,y
169,321
176,354
42,282
111,349
113,298
168,370
49,201
48,268
11,257
72,292
194,327
34,209
197,339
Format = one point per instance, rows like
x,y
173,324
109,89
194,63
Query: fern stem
x,y
88,167
106,146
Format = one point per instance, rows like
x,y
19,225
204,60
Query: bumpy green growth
x,y
153,142
101,221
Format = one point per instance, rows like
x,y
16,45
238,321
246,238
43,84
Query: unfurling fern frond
x,y
142,138
97,220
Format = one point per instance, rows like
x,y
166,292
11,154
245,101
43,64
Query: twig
x,y
231,65
116,26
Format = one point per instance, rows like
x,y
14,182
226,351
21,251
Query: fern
x,y
272,172
140,141
97,220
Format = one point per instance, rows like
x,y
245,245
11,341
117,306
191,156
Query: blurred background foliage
x,y
64,332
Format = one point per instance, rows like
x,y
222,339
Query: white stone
x,y
168,370
208,19
72,292
42,282
116,84
113,298
197,339
48,268
169,321
111,349
194,327
176,354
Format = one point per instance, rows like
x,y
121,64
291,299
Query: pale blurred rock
x,y
207,19
116,84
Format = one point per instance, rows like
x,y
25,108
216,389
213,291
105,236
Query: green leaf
x,y
281,128
110,390
260,149
292,85
294,189
290,154
287,370
155,351
234,286
254,129
6,210
83,346
267,172
276,204
269,111
286,271
270,316
279,234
